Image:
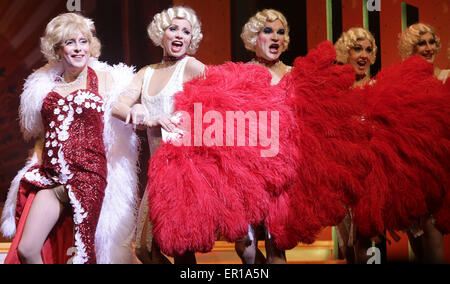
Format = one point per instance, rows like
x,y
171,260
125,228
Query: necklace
x,y
168,58
360,77
276,68
169,62
265,61
61,82
273,66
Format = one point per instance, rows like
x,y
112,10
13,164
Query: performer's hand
x,y
167,124
137,116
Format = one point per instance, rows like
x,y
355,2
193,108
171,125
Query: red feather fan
x,y
198,191
382,151
407,112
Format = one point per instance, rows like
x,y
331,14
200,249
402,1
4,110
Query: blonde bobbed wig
x,y
411,37
65,27
256,24
349,40
164,19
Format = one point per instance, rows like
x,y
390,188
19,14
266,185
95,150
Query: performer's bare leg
x,y
362,245
248,251
274,255
432,242
347,251
43,216
429,247
416,246
147,250
247,248
142,252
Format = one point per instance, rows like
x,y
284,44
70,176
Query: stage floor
x,y
320,252
223,252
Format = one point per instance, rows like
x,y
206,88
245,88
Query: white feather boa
x,y
117,221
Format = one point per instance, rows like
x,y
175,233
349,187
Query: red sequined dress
x,y
73,156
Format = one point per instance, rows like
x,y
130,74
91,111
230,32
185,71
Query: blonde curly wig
x,y
255,25
349,40
163,20
65,27
409,39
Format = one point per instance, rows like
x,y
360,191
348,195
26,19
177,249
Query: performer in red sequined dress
x,y
79,164
63,200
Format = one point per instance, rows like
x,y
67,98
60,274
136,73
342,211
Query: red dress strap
x,y
92,80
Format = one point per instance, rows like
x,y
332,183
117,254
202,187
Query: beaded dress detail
x,y
74,156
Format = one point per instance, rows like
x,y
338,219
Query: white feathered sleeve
x,y
36,87
117,221
9,227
